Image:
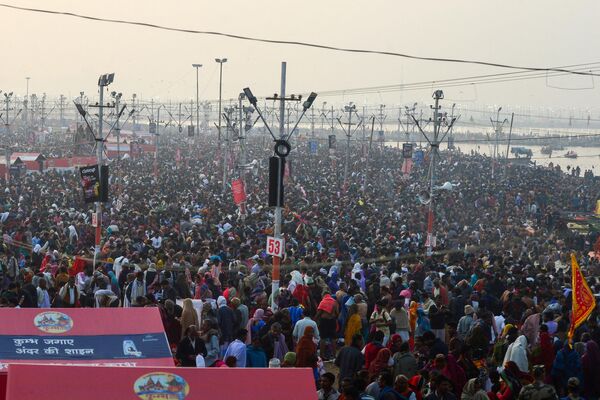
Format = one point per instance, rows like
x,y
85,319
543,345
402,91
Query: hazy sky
x,y
65,55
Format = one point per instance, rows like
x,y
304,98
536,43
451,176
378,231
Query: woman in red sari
x,y
380,364
543,354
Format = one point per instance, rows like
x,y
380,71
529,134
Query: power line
x,y
294,43
454,82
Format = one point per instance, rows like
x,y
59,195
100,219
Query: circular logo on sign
x,y
53,322
161,386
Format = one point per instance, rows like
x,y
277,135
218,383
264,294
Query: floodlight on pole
x,y
251,98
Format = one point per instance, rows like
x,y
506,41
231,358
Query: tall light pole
x,y
103,82
117,99
7,97
434,142
134,120
282,149
197,131
350,109
25,104
221,61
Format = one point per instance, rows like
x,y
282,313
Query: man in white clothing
x,y
301,326
237,349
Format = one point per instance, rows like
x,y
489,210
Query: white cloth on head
x,y
517,352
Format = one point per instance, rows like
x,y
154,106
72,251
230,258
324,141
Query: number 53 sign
x,y
274,246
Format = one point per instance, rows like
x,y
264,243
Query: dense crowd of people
x,y
359,302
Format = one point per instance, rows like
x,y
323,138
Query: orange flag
x,y
584,301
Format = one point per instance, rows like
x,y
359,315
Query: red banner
x,y
239,191
54,382
407,166
583,298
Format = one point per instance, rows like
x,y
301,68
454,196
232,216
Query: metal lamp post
x,y
197,131
281,149
221,61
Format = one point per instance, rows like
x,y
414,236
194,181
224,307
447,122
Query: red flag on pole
x,y
239,191
407,166
583,298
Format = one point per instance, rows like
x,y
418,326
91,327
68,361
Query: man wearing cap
x,y
465,323
538,390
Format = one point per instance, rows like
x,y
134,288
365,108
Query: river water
x,y
588,157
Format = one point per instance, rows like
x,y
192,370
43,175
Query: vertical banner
x,y
407,149
407,166
287,171
239,191
419,157
178,157
313,145
332,142
90,182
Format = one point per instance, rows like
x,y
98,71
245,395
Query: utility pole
x,y
434,143
134,116
103,82
350,109
197,130
26,107
277,229
7,97
79,116
368,153
381,118
323,117
62,110
117,99
242,137
282,149
497,125
512,117
312,122
450,134
221,61
156,142
43,112
229,112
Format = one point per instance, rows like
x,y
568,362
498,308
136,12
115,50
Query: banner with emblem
x,y
54,382
101,336
584,301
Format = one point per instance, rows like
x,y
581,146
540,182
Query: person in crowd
x,y
210,336
405,363
327,391
353,324
237,350
350,359
473,390
225,319
189,316
538,389
190,347
255,355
